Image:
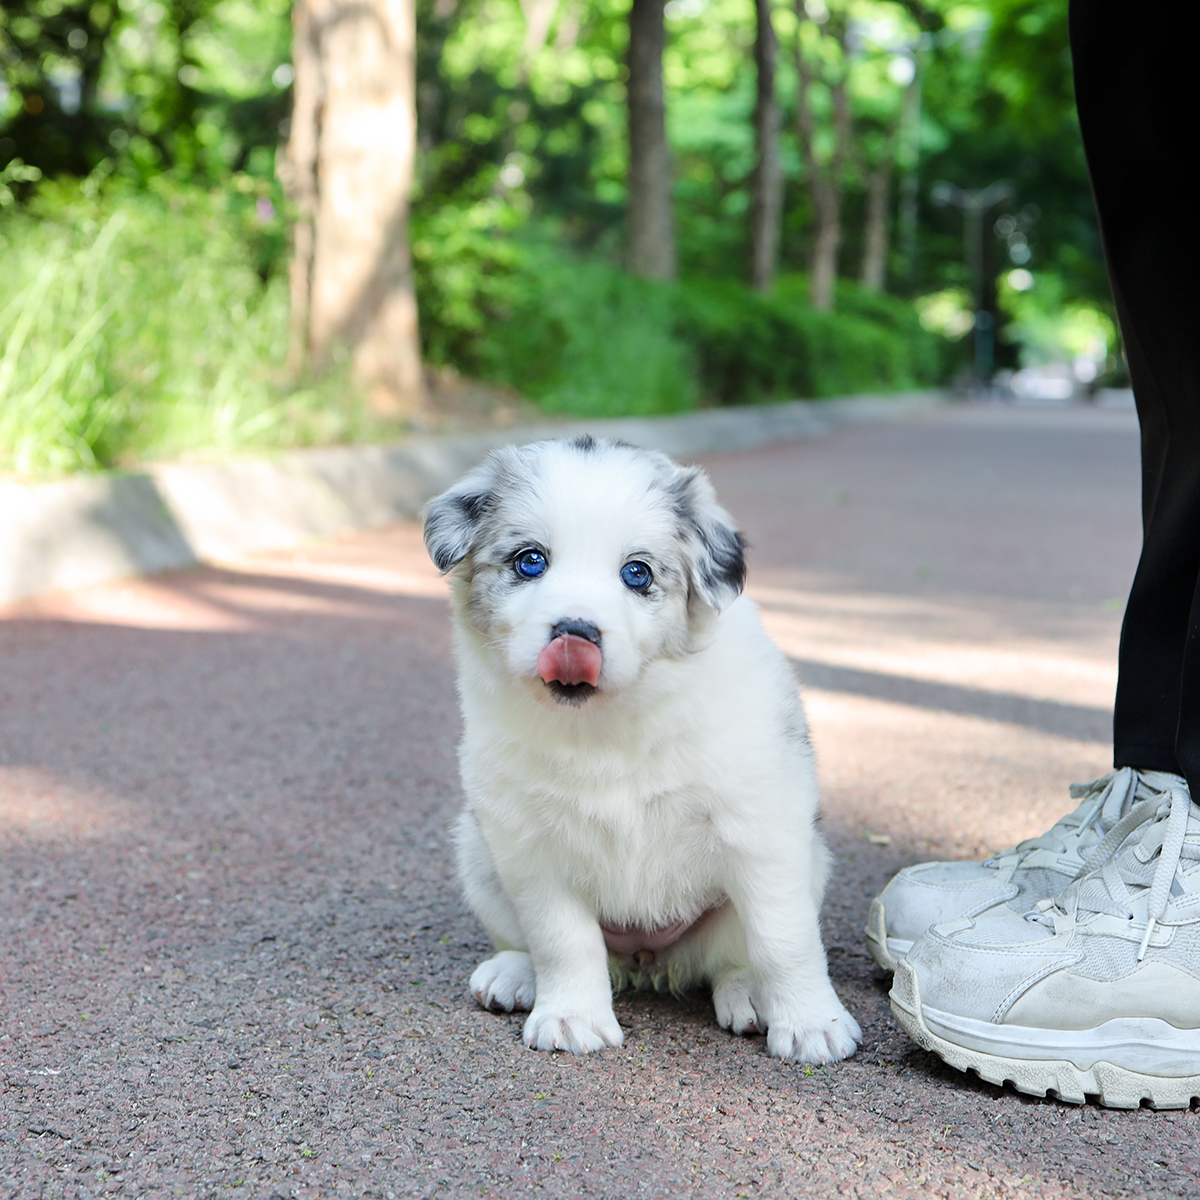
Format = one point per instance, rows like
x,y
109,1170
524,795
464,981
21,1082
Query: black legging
x,y
1135,88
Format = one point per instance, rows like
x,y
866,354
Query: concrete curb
x,y
86,530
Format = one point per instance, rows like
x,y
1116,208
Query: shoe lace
x,y
1110,798
1114,882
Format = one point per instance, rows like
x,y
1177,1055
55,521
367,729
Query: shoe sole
x,y
1108,1084
886,951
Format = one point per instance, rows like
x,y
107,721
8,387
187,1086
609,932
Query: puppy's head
x,y
579,562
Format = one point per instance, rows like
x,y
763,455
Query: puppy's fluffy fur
x,y
655,828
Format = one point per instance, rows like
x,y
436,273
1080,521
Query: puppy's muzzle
x,y
569,664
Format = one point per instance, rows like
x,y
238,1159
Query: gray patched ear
x,y
453,519
715,549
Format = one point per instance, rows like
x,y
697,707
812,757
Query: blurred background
x,y
243,224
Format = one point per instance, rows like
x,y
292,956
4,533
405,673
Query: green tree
x,y
52,57
198,87
349,172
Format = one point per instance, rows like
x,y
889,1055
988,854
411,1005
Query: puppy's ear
x,y
715,549
453,519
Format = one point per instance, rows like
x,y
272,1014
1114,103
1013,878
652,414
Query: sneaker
x,y
931,893
1095,993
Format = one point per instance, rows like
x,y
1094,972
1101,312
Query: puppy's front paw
x,y
547,1030
734,1005
506,982
820,1036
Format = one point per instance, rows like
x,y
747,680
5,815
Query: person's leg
x,y
1137,127
1096,992
1137,114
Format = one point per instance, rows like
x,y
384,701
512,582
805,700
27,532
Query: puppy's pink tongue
x,y
570,660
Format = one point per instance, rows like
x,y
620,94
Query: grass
x,y
590,341
139,327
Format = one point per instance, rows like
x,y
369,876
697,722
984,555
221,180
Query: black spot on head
x,y
452,523
476,506
585,443
717,549
723,565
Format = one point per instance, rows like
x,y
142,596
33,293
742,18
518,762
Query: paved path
x,y
233,960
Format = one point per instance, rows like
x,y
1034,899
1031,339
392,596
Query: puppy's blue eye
x,y
529,564
636,575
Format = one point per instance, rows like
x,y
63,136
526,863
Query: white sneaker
x,y
930,893
1096,993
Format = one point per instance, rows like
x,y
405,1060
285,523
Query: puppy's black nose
x,y
583,629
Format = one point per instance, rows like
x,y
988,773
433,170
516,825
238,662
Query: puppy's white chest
x,y
637,858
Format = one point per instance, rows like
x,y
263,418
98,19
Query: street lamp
x,y
973,205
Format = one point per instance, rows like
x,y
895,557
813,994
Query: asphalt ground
x,y
233,959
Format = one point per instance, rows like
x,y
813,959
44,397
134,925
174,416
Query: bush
x,y
584,338
750,346
469,272
137,324
579,337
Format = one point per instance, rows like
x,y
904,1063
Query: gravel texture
x,y
233,958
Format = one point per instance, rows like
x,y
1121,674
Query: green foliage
x,y
467,267
582,337
996,103
1049,327
147,315
752,347
1000,105
136,324
15,172
574,334
200,87
52,56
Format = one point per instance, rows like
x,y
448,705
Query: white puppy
x,y
640,787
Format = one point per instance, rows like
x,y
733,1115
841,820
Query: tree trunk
x,y
348,169
826,241
650,248
297,171
910,186
766,210
878,217
875,234
825,179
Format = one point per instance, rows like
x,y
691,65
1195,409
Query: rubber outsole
x,y
1104,1083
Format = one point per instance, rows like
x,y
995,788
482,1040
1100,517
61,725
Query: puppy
x,y
640,788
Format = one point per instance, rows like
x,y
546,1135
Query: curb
x,y
87,530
